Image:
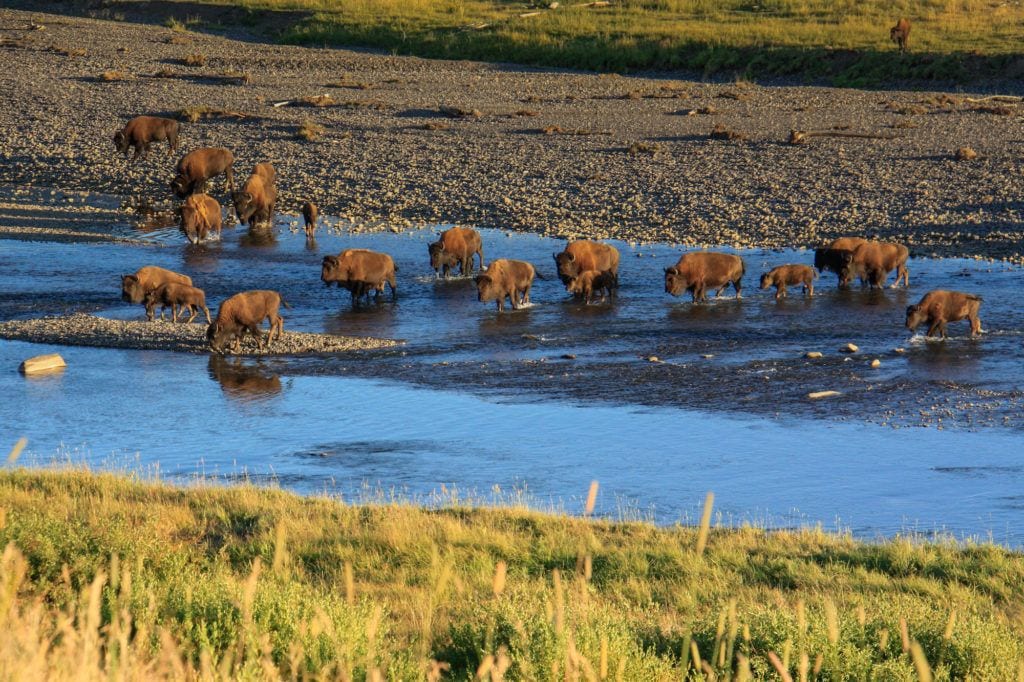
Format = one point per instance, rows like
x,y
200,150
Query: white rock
x,y
42,363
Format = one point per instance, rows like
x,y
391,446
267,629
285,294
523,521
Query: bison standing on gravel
x,y
141,131
195,168
456,246
243,313
698,272
872,262
149,278
789,275
360,271
177,297
583,255
831,257
309,215
255,202
503,279
900,33
200,215
939,307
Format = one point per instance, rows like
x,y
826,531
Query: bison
x,y
503,279
456,246
589,281
135,287
360,271
141,131
309,214
831,257
200,215
243,313
900,33
177,297
241,380
195,168
939,307
698,272
587,255
872,262
789,275
255,202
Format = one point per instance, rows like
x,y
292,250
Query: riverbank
x,y
246,581
406,140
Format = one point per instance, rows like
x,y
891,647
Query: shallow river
x,y
930,441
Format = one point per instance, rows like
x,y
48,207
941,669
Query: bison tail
x,y
537,274
285,304
974,297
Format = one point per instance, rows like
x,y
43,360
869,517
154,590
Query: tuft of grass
x,y
316,101
175,25
111,76
196,59
309,131
644,147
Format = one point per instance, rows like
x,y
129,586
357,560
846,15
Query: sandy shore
x,y
625,157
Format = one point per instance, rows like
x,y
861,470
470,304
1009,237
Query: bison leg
x,y
975,324
393,283
194,310
513,297
229,179
933,327
207,311
809,288
780,290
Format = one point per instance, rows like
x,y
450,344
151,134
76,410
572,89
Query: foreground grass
x,y
108,577
845,40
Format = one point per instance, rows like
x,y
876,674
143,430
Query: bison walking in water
x,y
243,313
831,257
149,278
255,202
789,275
900,33
177,297
590,281
939,307
503,279
583,255
200,215
360,271
141,131
872,262
195,168
698,272
456,246
309,215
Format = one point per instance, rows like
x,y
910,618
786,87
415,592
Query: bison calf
x,y
141,131
939,307
503,279
200,215
135,287
177,297
456,246
589,281
583,255
243,313
789,275
195,168
309,215
900,33
698,272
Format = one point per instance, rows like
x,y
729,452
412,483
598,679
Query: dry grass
x,y
197,59
112,76
309,131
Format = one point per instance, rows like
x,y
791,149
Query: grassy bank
x,y
846,41
108,577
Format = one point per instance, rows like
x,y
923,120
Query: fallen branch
x,y
802,136
1005,99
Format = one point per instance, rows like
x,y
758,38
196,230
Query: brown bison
x,y
135,287
195,168
255,202
872,262
456,246
238,379
309,214
831,257
360,271
141,131
589,281
243,313
200,215
587,255
177,297
703,270
789,275
900,33
503,279
939,307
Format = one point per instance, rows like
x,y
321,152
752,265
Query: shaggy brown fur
x,y
939,307
135,287
900,33
698,272
141,131
503,279
589,281
587,255
200,215
195,168
831,257
872,262
255,202
360,271
177,297
243,313
456,246
789,275
309,214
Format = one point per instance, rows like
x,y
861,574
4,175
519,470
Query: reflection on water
x,y
243,379
258,237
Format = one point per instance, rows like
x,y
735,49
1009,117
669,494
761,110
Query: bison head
x,y
675,281
330,270
245,205
915,316
217,335
131,289
576,286
567,267
192,223
181,186
121,143
486,288
848,268
766,280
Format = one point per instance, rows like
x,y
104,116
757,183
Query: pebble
x,y
653,358
812,355
818,395
876,363
849,348
41,364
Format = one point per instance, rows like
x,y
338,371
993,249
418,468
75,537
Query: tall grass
x,y
106,577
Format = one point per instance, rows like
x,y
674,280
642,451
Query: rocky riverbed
x,y
408,140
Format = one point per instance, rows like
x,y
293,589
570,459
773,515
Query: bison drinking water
x,y
789,275
243,313
939,307
503,279
255,202
872,262
698,272
195,168
149,278
583,255
200,215
588,282
456,246
360,271
141,131
177,297
900,33
831,257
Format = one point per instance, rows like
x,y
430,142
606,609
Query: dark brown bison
x,y
195,168
135,287
456,246
141,131
831,257
789,275
360,271
177,297
309,214
872,262
703,270
243,313
900,33
255,202
587,255
503,279
939,307
200,215
585,284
